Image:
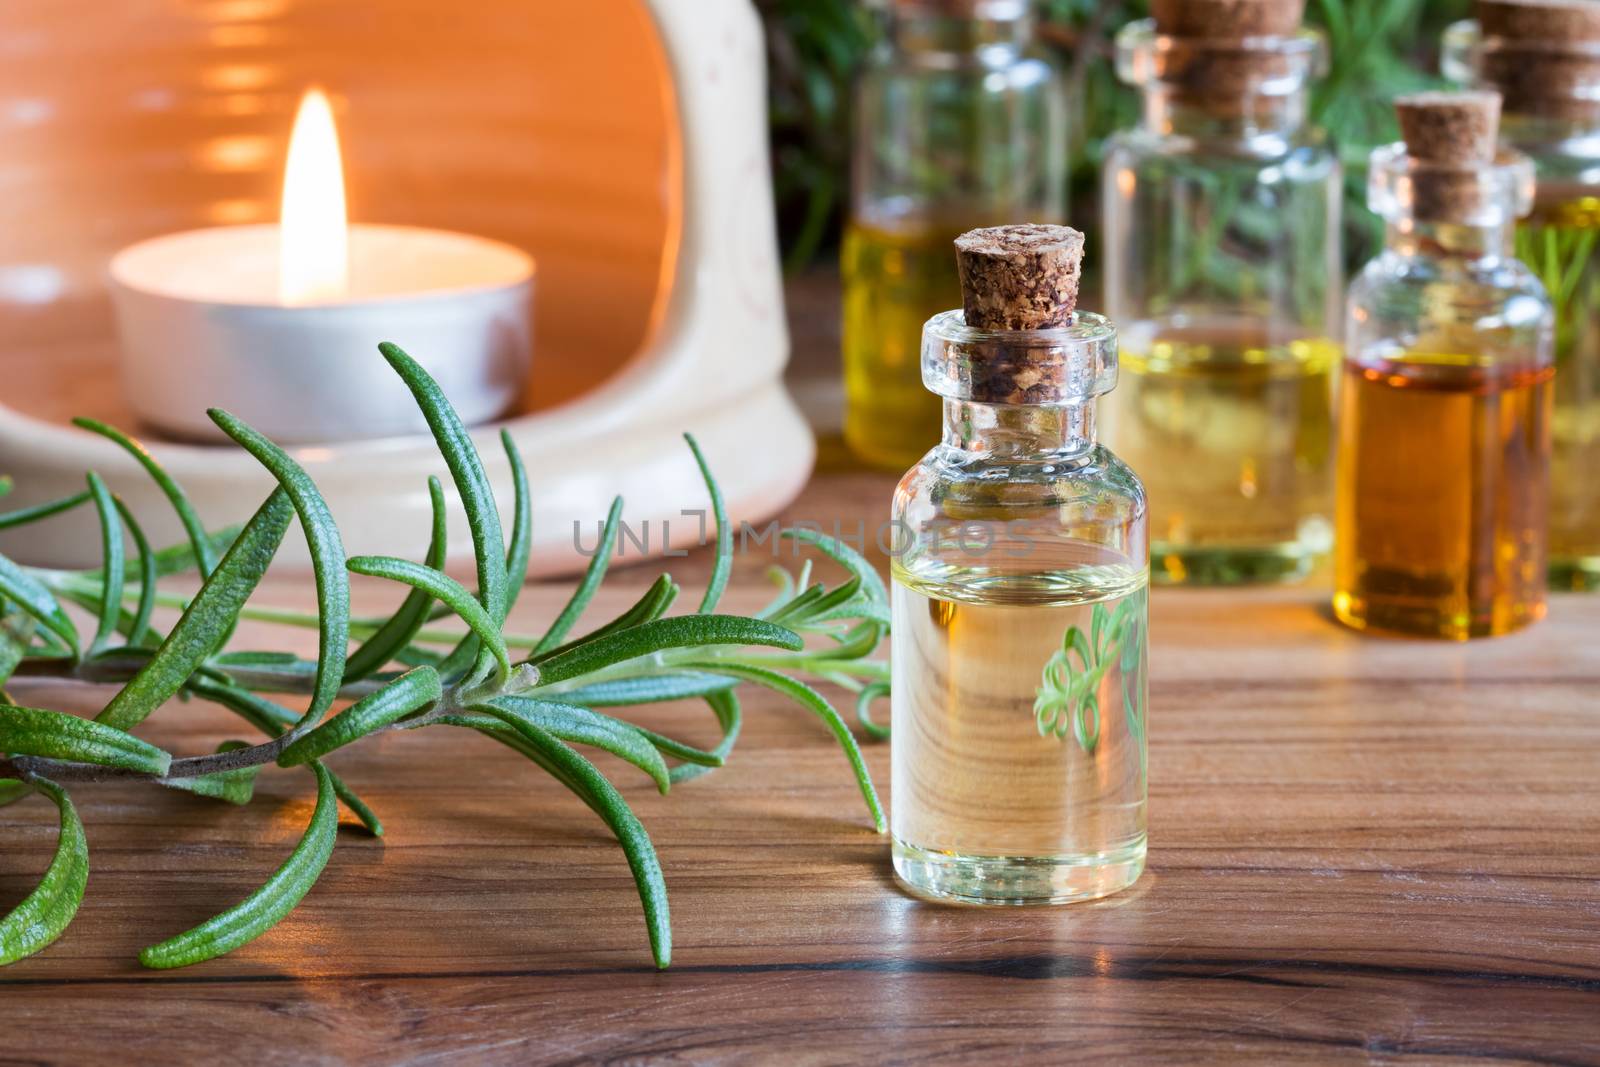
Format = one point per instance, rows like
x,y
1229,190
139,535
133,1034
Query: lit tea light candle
x,y
280,324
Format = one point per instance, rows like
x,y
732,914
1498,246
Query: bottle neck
x,y
1019,432
934,34
1448,240
1173,111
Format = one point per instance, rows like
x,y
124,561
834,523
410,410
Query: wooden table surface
x,y
1360,849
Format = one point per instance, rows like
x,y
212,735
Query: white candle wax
x,y
203,325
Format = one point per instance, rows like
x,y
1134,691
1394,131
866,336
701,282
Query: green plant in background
x,y
1562,257
813,50
538,696
1378,48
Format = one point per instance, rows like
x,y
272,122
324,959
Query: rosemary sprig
x,y
536,695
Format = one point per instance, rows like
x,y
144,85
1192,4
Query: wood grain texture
x,y
1361,849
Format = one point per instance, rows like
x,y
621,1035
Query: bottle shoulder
x,y
948,480
1393,275
955,520
991,72
1308,151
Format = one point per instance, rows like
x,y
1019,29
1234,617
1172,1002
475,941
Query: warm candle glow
x,y
313,262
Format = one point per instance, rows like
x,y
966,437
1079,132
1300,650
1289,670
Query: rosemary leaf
x,y
864,701
652,605
872,586
45,913
809,698
653,690
358,807
447,590
59,736
725,706
25,591
520,550
466,469
270,718
114,553
579,775
204,551
207,620
412,692
680,632
16,633
23,516
263,909
581,726
13,790
137,627
722,562
327,558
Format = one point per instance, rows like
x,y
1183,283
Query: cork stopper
x,y
1451,128
1551,20
1017,339
965,9
1230,58
1450,144
1227,18
1543,55
1019,277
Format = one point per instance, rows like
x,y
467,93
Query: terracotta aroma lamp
x,y
621,143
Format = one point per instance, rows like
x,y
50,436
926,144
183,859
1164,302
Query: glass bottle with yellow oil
x,y
1019,604
960,123
1223,270
1444,428
1544,57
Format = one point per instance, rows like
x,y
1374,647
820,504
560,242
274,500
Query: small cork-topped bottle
x,y
1020,569
1444,430
1543,56
1223,270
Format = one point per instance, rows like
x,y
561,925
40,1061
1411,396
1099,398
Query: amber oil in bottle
x,y
1444,427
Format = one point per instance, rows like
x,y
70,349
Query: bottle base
x,y
1577,575
1182,565
1415,620
1017,880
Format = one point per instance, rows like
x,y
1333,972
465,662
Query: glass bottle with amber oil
x,y
959,123
1544,57
1223,272
1444,430
1019,603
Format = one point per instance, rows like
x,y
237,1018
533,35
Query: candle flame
x,y
313,257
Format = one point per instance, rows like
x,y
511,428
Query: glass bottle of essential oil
x,y
1019,603
959,124
1444,431
1223,270
1544,58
